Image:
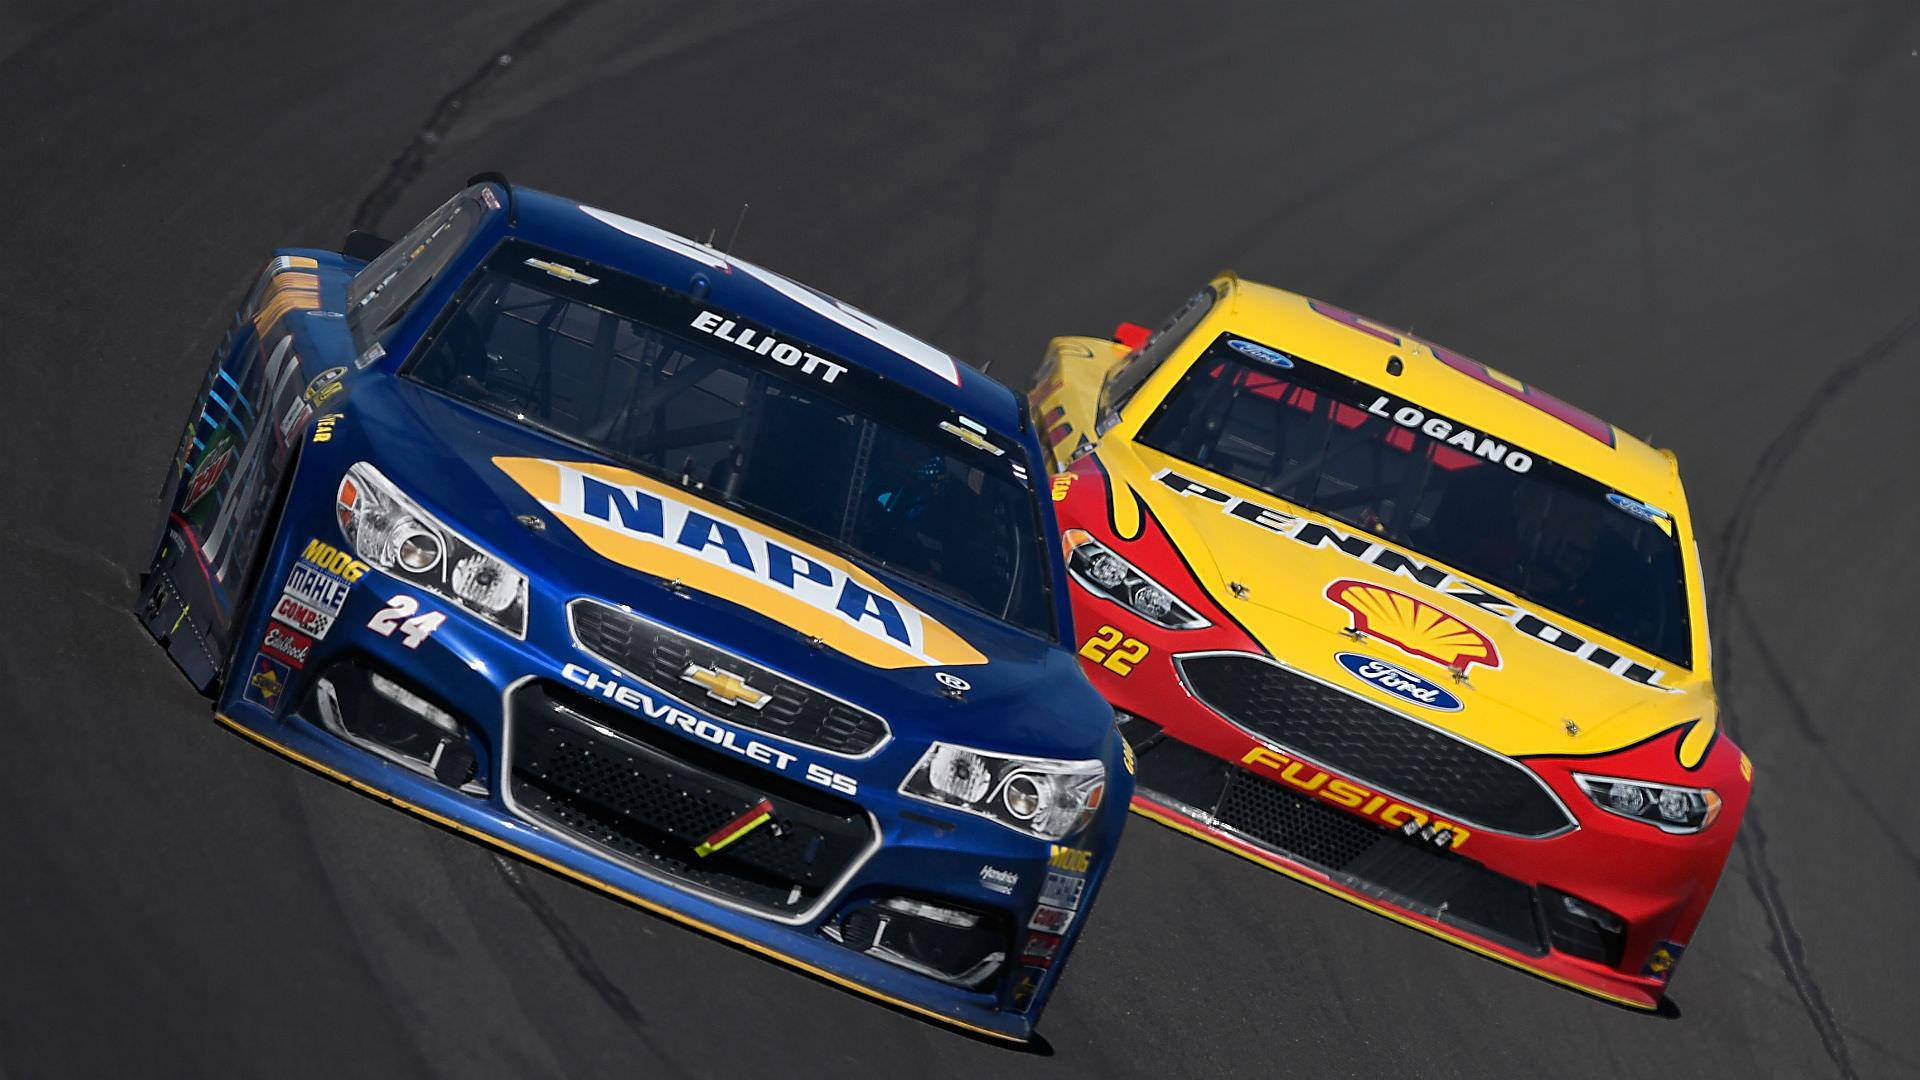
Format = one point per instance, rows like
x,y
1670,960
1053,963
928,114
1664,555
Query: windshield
x,y
751,418
1490,509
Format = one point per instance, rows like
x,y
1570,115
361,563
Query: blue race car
x,y
664,572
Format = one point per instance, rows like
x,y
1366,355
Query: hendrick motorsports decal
x,y
1367,550
639,701
659,529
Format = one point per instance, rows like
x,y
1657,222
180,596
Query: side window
x,y
1130,373
386,288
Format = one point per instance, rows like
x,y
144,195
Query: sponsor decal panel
x,y
998,880
319,589
267,682
1646,512
208,476
1663,959
1063,890
1399,682
1072,860
1052,920
659,529
1366,549
323,427
1040,949
1414,626
638,701
298,614
287,644
1260,352
325,387
1361,800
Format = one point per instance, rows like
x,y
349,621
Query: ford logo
x,y
1399,682
1261,352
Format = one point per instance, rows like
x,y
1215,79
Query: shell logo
x,y
1415,626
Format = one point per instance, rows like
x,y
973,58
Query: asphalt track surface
x,y
1696,219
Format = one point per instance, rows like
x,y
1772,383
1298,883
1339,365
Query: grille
x,y
651,799
660,656
1373,860
1373,745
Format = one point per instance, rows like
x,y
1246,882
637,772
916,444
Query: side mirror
x,y
1132,335
364,246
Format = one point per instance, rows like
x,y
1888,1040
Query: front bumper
x,y
902,850
1603,905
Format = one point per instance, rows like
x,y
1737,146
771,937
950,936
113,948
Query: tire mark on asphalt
x,y
1785,944
1643,184
1335,182
406,168
1776,671
1479,203
580,958
997,155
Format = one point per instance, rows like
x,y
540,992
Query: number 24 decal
x,y
416,628
1114,651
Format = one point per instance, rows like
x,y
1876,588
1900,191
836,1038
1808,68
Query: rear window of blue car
x,y
750,417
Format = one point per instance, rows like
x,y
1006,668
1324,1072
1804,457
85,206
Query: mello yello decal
x,y
661,530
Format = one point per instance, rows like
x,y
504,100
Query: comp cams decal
x,y
658,529
641,703
1366,549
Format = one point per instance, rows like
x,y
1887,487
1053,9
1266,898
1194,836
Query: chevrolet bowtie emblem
x,y
725,686
564,273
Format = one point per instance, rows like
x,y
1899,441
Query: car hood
x,y
1562,688
663,552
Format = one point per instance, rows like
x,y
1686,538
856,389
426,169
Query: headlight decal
x,y
1099,570
1043,797
391,531
1668,807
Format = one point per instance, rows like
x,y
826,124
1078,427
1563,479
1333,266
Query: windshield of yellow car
x,y
1438,487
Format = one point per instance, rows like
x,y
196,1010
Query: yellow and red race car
x,y
1399,626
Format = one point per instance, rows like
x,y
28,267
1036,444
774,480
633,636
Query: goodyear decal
x,y
659,529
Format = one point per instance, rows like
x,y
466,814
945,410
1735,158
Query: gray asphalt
x,y
1698,220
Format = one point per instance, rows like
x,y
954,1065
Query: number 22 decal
x,y
1114,651
413,631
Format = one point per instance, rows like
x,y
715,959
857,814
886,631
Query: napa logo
x,y
659,529
1398,681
